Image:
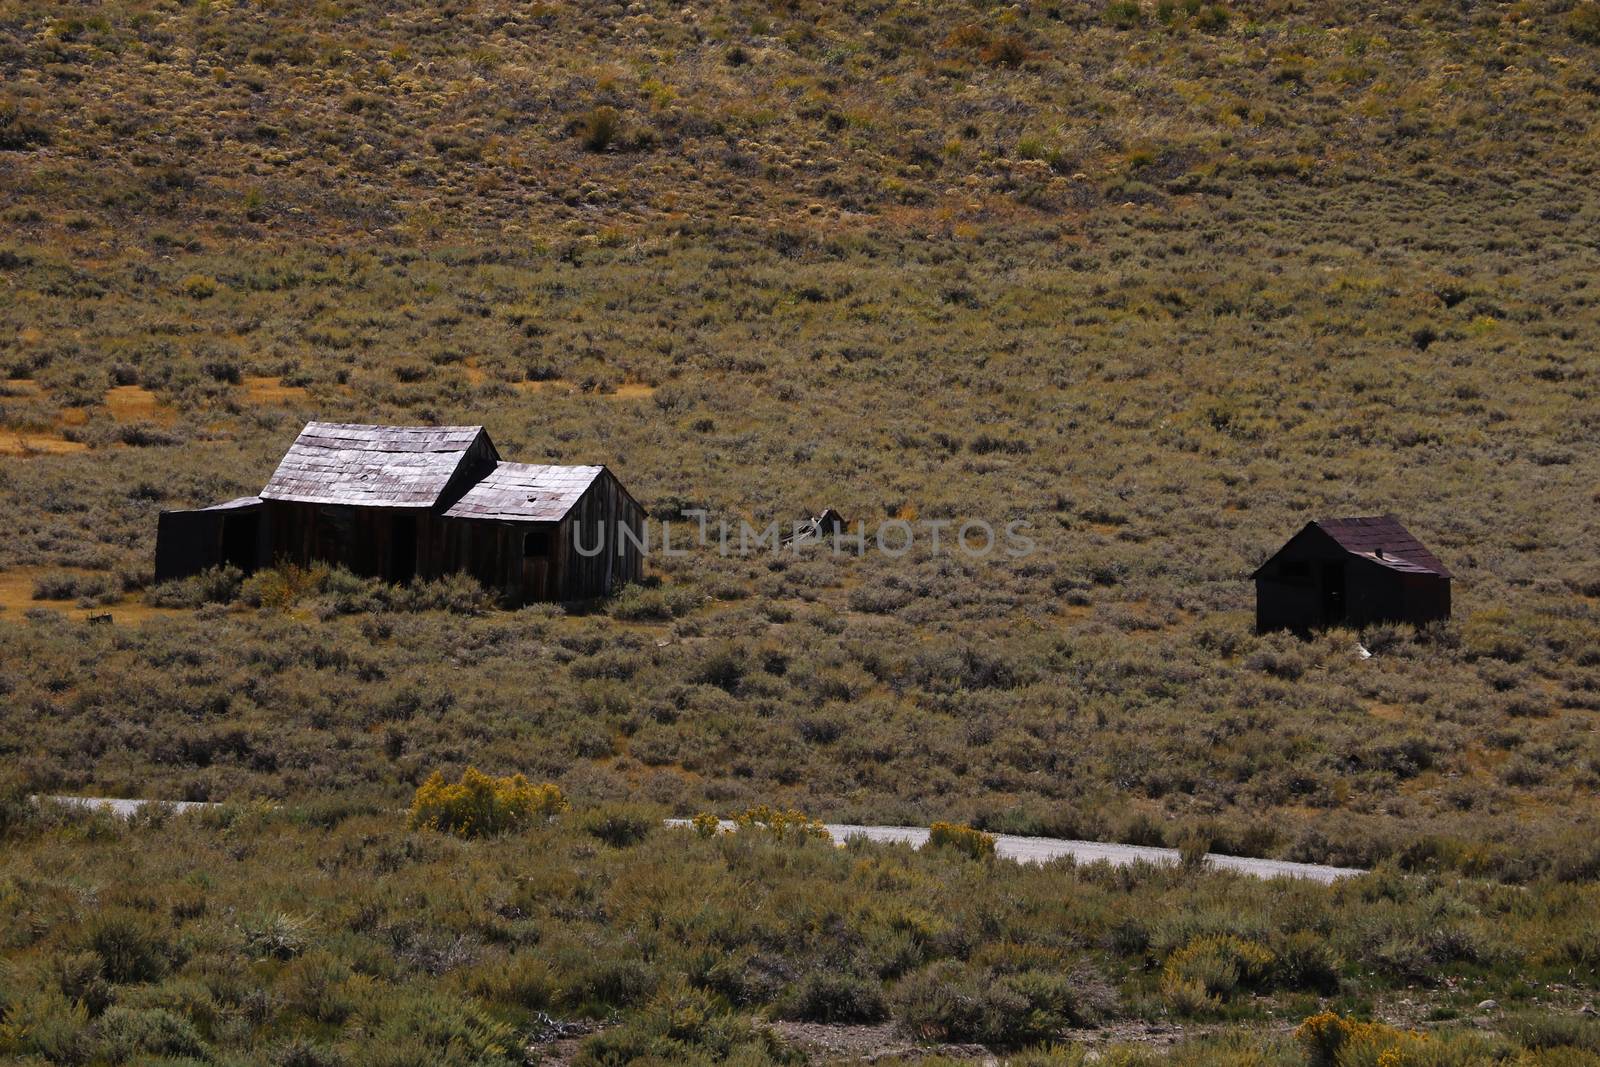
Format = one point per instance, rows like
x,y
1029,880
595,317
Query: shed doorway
x,y
1333,606
239,540
403,553
536,563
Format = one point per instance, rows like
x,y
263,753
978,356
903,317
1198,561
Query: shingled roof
x,y
527,492
1382,540
373,466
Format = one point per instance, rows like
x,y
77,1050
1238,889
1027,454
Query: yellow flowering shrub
x,y
1331,1040
706,824
974,843
784,825
482,806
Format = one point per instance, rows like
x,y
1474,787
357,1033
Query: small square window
x,y
536,543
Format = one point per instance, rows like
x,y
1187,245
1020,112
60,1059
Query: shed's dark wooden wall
x,y
597,518
492,551
188,542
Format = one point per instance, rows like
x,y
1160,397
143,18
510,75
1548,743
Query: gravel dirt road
x,y
1045,849
1006,846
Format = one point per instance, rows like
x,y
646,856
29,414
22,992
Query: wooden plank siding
x,y
598,519
493,551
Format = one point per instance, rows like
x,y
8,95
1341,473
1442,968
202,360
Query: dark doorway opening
x,y
239,540
403,561
1332,593
536,563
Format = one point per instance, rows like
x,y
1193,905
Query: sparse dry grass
x,y
334,932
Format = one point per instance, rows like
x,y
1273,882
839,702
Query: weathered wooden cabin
x,y
405,502
1351,572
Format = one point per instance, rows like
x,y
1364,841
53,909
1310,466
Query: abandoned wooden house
x,y
1351,572
405,502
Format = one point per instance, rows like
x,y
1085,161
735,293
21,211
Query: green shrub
x,y
215,585
953,1002
1207,971
600,128
1556,1031
481,806
131,947
81,978
621,825
123,1033
276,935
640,603
601,982
314,984
1306,961
684,1025
974,844
1193,848
18,813
304,1052
523,978
830,996
419,1025
58,586
724,666
21,129
458,593
1124,14
1583,22
43,1023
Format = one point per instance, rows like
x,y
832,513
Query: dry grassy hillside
x,y
1161,280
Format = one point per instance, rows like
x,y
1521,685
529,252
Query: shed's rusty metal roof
x,y
1382,540
525,492
372,466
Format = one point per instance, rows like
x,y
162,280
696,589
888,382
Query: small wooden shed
x,y
229,534
1351,572
405,502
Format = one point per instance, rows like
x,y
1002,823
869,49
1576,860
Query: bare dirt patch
x,y
123,403
625,391
30,443
16,587
545,385
1387,712
268,391
16,597
135,403
864,1043
854,1043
